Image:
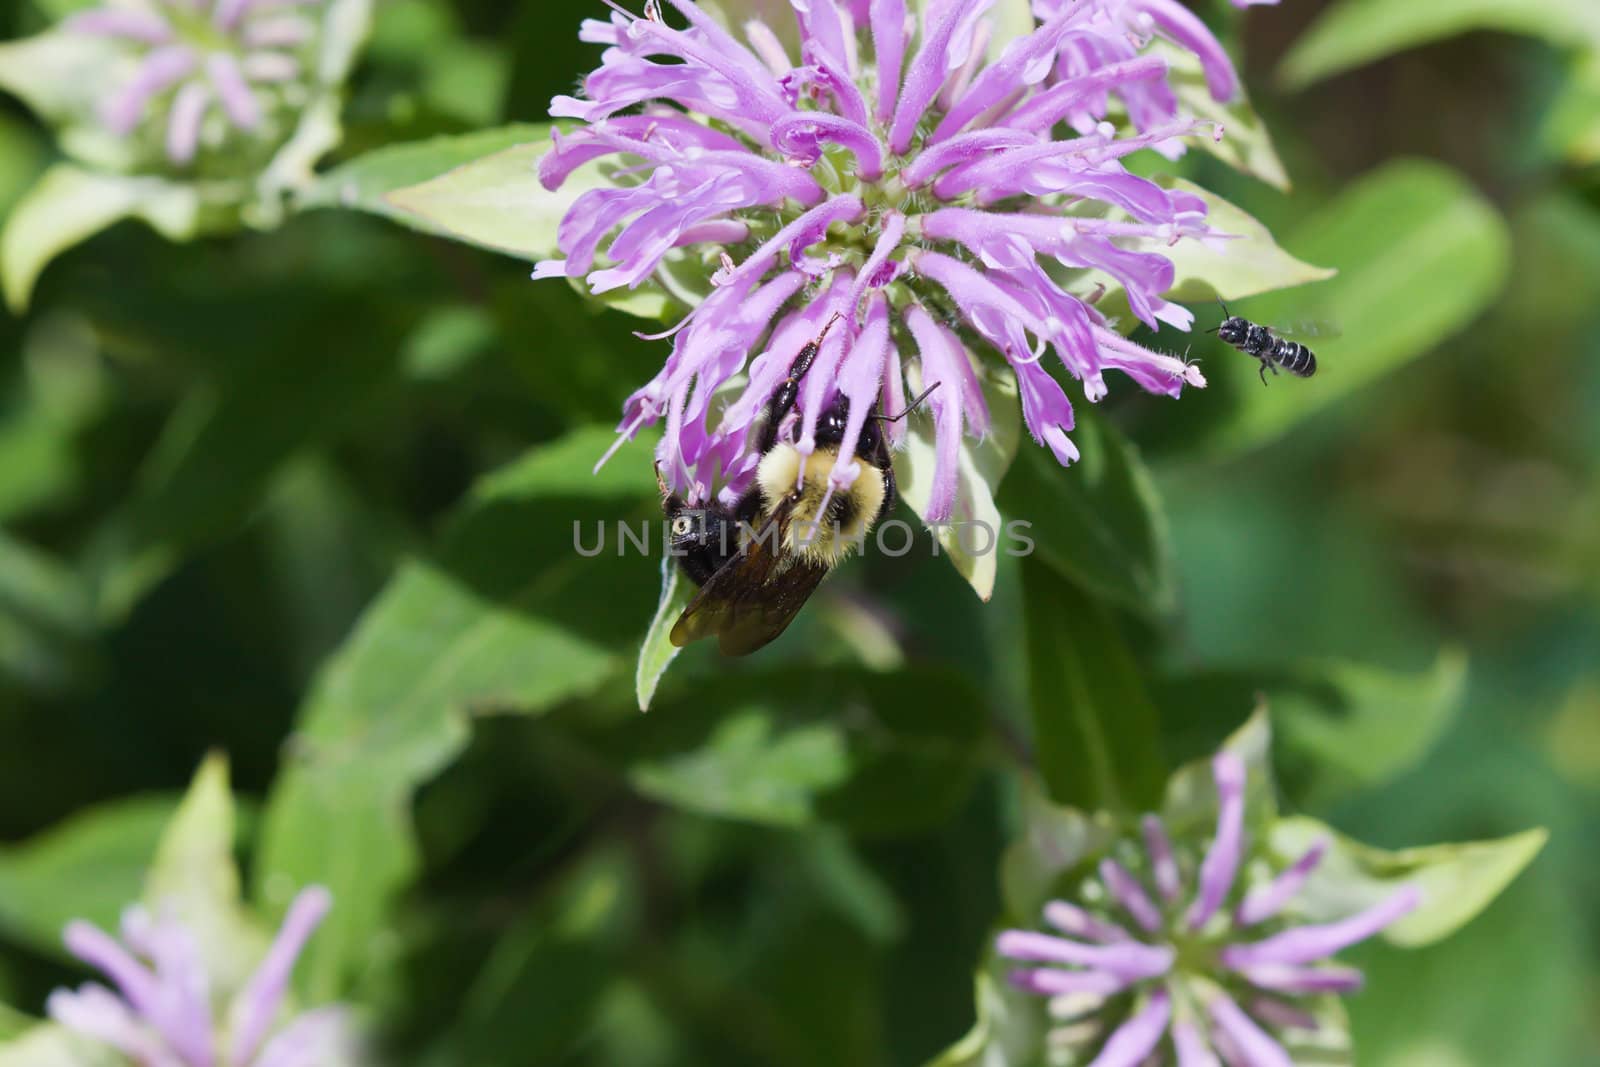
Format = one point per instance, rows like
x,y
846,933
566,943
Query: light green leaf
x,y
1095,732
1420,254
1055,841
1457,881
1099,522
658,651
1571,123
982,465
746,771
497,201
194,875
89,867
13,1024
1249,262
507,617
364,183
69,205
1354,32
60,76
1245,145
49,1045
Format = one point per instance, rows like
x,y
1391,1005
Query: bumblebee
x,y
758,562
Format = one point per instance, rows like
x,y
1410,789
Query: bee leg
x,y
1264,372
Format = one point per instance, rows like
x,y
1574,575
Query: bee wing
x,y
1308,330
750,600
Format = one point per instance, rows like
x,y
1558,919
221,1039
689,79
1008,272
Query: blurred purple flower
x,y
196,56
907,174
161,1012
1193,982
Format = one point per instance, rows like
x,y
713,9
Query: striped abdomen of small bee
x,y
1293,357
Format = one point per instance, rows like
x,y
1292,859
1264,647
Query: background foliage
x,y
306,496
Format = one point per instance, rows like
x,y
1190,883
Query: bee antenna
x,y
911,406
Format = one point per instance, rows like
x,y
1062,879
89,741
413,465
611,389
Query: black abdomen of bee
x,y
1294,357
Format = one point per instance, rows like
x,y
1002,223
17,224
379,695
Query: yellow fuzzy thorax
x,y
808,536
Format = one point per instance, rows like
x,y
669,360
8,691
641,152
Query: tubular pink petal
x,y
1263,903
1137,1038
183,124
1127,892
1163,866
1221,864
161,70
237,101
1255,1045
258,1002
1307,944
928,70
888,18
146,27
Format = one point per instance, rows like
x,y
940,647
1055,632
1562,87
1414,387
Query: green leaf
x,y
1248,262
194,874
1096,734
509,616
60,76
49,1045
223,444
1341,726
1354,32
364,183
658,651
89,867
69,205
980,1046
1055,841
745,772
1246,146
1098,523
982,465
47,625
1457,881
497,201
877,752
1571,123
1419,254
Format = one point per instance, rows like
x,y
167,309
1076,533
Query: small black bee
x,y
1267,347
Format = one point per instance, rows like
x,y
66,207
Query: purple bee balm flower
x,y
905,173
198,58
1189,982
163,1011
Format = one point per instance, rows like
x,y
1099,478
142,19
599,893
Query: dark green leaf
x,y
1340,726
508,617
1099,522
1096,733
89,867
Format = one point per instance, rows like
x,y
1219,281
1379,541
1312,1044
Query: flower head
x,y
201,70
162,1011
940,190
1168,958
